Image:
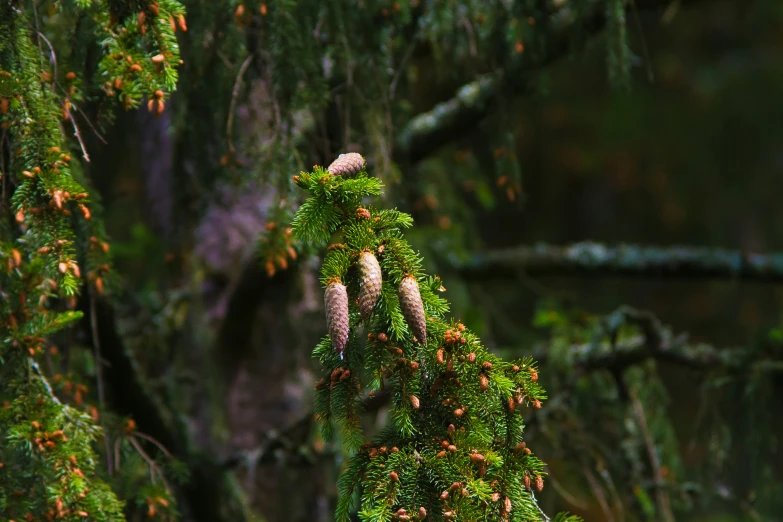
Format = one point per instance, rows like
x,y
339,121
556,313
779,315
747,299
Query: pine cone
x,y
347,164
370,291
412,307
336,301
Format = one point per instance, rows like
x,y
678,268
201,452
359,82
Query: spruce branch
x,y
454,445
47,442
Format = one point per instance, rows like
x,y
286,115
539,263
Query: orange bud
x,y
158,58
135,67
181,23
262,9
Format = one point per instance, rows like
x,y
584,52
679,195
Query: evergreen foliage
x,y
454,448
49,464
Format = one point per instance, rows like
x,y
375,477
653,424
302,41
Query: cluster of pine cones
x,y
371,280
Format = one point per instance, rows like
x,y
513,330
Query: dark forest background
x,y
589,185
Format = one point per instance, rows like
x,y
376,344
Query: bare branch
x,y
78,136
625,260
232,106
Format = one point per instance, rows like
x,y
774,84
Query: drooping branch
x,y
657,341
588,258
457,117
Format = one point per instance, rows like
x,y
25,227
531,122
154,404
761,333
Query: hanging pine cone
x,y
347,164
336,303
370,290
412,307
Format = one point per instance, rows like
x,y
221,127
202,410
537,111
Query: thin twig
x,y
616,500
78,136
598,491
535,503
96,345
661,497
53,58
401,67
157,443
645,52
37,25
49,390
117,452
471,36
564,493
154,468
89,123
232,107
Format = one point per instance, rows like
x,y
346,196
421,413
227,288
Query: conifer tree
x,y
454,449
49,466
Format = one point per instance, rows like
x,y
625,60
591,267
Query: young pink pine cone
x,y
371,281
412,307
347,165
336,303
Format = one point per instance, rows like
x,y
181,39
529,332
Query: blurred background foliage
x,y
497,124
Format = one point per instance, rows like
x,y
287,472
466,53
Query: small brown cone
x,y
347,165
336,303
371,280
412,307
